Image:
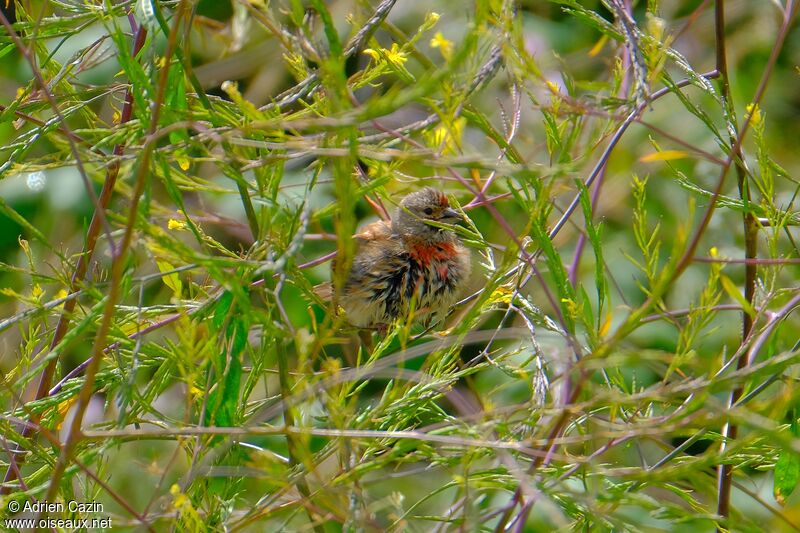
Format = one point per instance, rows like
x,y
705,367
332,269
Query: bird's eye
x,y
428,211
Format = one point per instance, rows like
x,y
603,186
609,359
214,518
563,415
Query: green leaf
x,y
173,281
11,213
221,310
565,291
177,105
787,470
229,393
733,291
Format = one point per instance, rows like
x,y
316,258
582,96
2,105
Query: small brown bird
x,y
406,265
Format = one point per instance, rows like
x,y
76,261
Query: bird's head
x,y
418,209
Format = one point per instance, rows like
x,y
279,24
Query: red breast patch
x,y
425,253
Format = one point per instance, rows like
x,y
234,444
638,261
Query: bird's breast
x,y
426,253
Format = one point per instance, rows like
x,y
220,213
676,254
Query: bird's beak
x,y
451,215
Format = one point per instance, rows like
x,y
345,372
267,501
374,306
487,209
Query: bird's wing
x,y
324,291
368,236
375,231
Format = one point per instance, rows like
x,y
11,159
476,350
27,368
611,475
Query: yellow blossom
x,y
374,54
179,225
431,19
502,294
448,135
37,291
394,55
443,44
179,500
63,408
571,307
393,59
755,113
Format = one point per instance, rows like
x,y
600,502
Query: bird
x,y
407,267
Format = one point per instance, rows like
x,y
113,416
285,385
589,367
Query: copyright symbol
x,y
13,506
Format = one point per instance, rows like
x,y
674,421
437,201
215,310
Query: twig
x,y
117,272
729,431
97,222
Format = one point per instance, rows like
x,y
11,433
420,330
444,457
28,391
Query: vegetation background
x,y
176,175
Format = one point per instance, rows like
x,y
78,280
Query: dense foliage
x,y
175,177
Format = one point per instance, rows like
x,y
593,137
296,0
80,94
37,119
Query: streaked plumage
x,y
406,264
